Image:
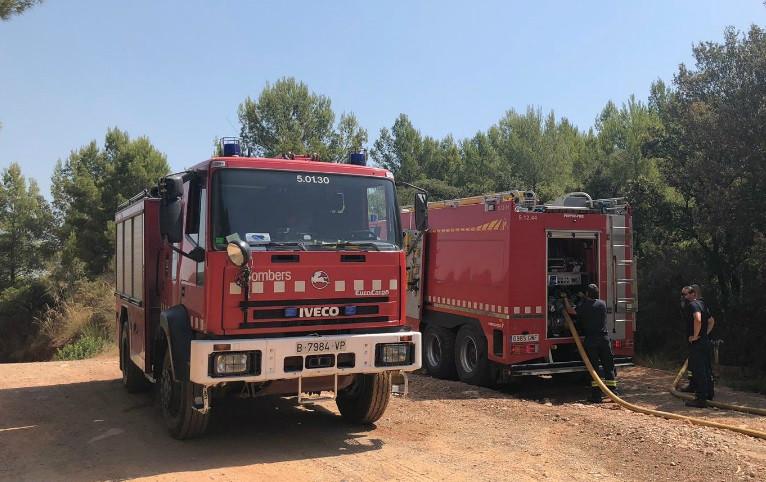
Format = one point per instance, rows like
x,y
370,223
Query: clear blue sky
x,y
176,71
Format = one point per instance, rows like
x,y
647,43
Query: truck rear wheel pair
x,y
446,354
439,352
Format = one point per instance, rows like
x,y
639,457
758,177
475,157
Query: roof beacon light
x,y
357,159
231,146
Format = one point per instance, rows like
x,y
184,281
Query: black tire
x,y
471,356
133,379
176,397
365,400
439,352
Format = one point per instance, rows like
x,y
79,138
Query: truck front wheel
x,y
365,400
132,378
176,398
471,355
439,352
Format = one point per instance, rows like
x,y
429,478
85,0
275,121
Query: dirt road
x,y
72,420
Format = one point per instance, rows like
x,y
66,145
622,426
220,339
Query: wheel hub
x,y
434,351
469,356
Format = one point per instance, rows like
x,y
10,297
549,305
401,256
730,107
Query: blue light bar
x,y
358,159
349,310
231,146
291,312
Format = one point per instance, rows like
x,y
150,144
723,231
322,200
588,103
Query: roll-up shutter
x,y
120,285
128,259
138,257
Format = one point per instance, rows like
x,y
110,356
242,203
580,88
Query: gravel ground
x,y
72,420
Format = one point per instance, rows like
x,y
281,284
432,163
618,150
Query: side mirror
x,y
171,221
421,211
172,186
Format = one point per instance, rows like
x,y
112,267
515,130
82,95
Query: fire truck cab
x,y
485,282
251,277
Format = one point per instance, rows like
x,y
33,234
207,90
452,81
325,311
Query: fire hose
x,y
647,411
727,406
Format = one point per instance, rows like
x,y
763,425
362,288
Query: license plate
x,y
524,338
320,346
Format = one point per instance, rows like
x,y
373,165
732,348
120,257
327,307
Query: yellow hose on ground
x,y
636,408
711,403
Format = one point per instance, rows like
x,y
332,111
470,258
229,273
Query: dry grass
x,y
87,314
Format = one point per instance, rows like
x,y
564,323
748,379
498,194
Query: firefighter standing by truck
x,y
592,313
694,314
692,386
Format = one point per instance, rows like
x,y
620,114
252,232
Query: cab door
x,y
192,274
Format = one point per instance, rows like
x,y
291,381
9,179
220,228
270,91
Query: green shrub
x,y
85,347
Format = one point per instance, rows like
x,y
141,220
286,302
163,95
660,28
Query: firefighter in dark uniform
x,y
708,322
699,346
592,313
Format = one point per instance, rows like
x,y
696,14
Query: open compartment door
x,y
414,246
572,264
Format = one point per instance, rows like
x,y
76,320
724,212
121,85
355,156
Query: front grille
x,y
280,312
323,321
317,312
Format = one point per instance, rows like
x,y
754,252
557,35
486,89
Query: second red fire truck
x,y
485,282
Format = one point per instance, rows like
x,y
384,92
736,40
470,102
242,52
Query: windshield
x,y
305,210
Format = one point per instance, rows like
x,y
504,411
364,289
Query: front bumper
x,y
272,352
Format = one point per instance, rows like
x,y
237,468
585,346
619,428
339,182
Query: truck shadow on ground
x,y
556,390
96,431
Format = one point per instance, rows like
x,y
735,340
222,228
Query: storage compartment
x,y
130,258
572,264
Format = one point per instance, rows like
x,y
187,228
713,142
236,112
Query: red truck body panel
x,y
137,291
494,266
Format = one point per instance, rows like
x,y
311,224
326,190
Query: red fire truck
x,y
251,277
485,282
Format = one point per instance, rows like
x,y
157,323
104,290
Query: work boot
x,y
691,387
697,402
595,395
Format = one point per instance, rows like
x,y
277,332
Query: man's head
x,y
592,291
697,291
688,293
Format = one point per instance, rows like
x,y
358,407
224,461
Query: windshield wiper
x,y
358,244
286,244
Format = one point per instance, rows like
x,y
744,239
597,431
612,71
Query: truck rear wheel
x,y
132,377
439,352
365,400
176,398
471,355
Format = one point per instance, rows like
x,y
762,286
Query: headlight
x,y
230,364
238,252
393,354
